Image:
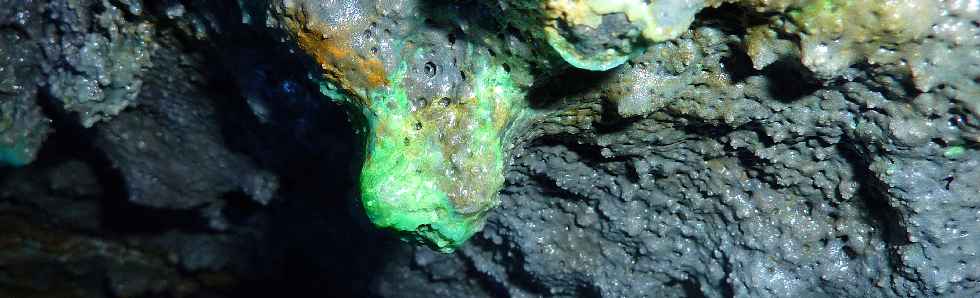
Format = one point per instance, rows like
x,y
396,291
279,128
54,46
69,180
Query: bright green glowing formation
x,y
433,166
435,172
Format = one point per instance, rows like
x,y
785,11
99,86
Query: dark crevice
x,y
730,17
727,288
789,80
632,175
588,153
948,180
520,277
696,127
587,291
20,31
690,287
239,207
872,194
738,64
550,187
571,83
902,88
610,120
488,283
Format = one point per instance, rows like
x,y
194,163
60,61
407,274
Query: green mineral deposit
x,y
432,174
433,167
954,152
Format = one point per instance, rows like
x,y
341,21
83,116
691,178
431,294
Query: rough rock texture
x,y
722,163
747,183
94,56
22,126
169,149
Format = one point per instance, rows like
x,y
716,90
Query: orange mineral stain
x,y
331,48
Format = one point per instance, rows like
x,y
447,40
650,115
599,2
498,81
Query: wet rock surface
x,y
190,153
